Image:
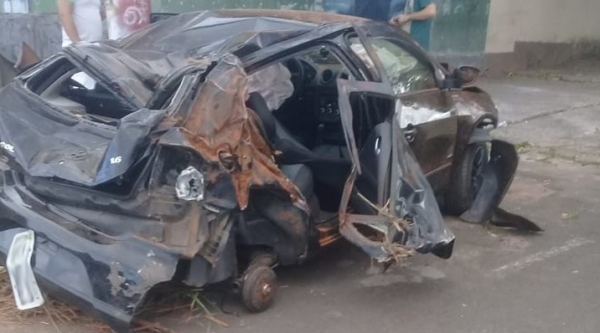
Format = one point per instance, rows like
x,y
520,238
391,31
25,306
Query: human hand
x,y
399,19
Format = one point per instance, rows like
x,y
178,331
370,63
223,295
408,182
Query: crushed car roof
x,y
195,31
177,42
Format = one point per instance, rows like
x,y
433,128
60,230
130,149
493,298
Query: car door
x,y
428,118
388,208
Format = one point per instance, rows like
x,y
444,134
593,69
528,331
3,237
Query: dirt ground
x,y
497,281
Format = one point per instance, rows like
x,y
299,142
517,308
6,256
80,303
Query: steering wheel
x,y
296,68
74,90
77,85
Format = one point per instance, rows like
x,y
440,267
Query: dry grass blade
x,y
57,313
51,319
147,326
196,301
53,311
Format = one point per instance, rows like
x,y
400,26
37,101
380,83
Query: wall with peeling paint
x,y
40,31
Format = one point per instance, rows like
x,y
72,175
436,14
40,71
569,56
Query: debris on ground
x,y
189,305
53,312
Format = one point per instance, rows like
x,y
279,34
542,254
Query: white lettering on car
x,y
7,146
116,160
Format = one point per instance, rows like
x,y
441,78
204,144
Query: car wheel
x,y
259,288
466,179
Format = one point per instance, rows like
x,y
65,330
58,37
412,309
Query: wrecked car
x,y
212,146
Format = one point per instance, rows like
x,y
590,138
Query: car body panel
x,y
435,128
63,146
109,277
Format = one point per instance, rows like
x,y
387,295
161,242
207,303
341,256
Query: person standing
x,y
127,16
417,19
376,10
81,20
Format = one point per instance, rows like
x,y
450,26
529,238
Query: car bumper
x,y
106,277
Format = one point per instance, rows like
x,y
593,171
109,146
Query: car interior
x,y
66,87
307,127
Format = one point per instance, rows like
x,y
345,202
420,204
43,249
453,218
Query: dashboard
x,y
321,80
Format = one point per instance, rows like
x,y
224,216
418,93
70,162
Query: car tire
x,y
466,179
259,288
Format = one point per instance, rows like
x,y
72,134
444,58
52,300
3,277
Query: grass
x,y
191,304
52,311
523,147
571,216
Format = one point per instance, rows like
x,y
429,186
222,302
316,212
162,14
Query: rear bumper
x,y
104,276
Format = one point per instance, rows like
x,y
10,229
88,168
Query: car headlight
x,y
190,185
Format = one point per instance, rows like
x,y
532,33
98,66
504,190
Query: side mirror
x,y
468,75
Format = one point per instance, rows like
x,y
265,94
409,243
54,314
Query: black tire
x,y
466,179
259,288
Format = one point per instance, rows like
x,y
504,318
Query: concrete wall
x,y
528,33
549,21
460,30
41,32
458,35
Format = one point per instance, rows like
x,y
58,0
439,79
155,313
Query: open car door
x,y
388,208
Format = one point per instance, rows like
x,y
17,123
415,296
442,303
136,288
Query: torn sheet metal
x,y
68,147
410,220
381,236
224,131
129,77
112,290
413,200
497,176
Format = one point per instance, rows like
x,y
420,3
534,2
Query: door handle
x,y
410,133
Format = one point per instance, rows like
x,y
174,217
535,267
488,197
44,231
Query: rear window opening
x,y
64,86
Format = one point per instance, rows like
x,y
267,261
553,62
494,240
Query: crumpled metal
x,y
224,131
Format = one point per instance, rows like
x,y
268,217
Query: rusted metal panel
x,y
223,130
